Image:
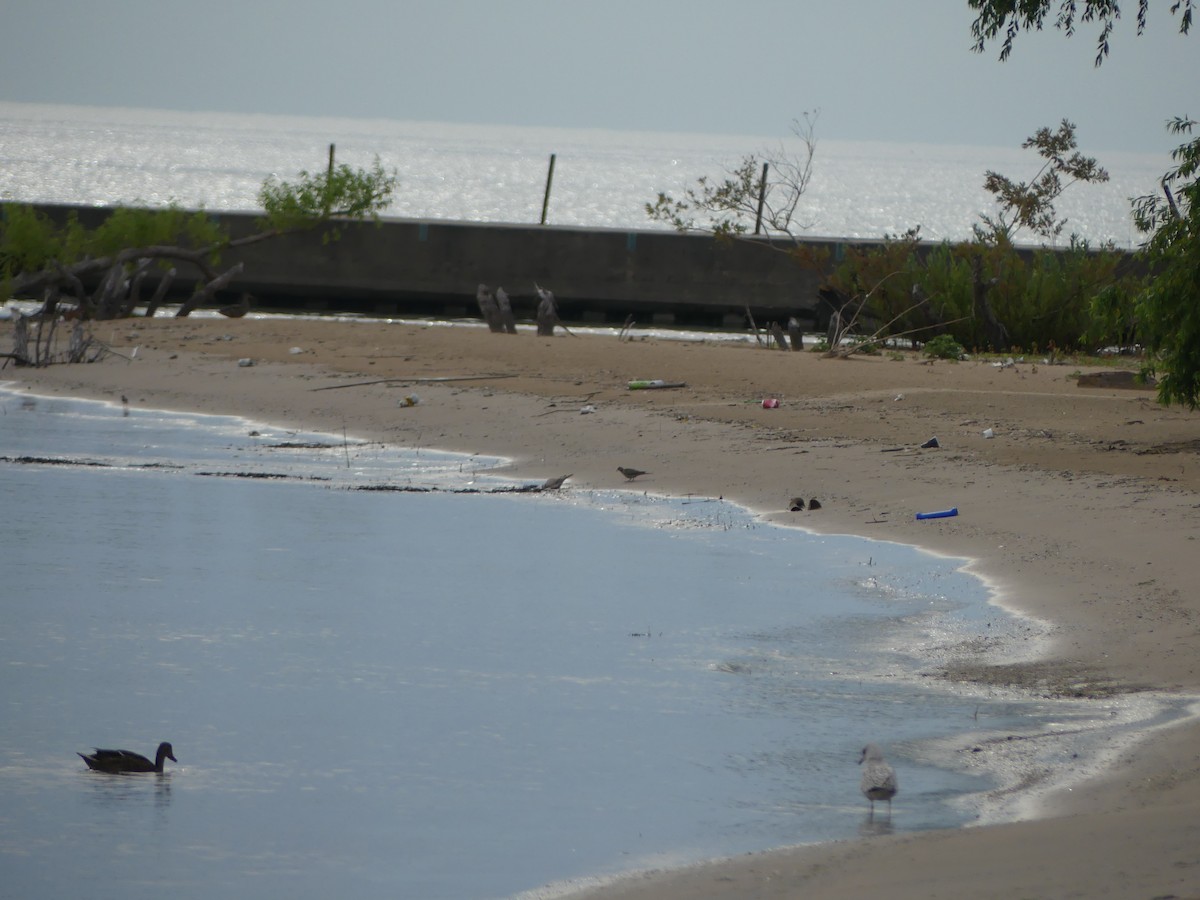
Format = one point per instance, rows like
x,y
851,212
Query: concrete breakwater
x,y
432,267
413,267
597,275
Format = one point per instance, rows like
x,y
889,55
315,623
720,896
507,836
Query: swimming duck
x,y
126,761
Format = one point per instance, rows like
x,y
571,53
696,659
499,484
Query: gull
x,y
878,778
629,473
553,484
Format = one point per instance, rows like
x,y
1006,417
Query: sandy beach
x,y
1081,510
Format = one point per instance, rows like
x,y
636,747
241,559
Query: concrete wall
x,y
433,267
408,265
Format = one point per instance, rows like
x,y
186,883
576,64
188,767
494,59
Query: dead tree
x,y
507,319
204,296
778,336
489,308
795,335
547,312
116,283
837,302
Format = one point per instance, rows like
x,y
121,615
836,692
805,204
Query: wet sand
x,y
1081,511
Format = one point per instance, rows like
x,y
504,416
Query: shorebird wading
x,y
878,778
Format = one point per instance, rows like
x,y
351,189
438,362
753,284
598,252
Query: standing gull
x,y
629,473
878,778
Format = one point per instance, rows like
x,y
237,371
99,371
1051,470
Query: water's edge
x,y
1025,768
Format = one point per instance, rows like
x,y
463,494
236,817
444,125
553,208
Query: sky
x,y
886,70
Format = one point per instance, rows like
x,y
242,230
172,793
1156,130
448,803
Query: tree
x,y
759,193
1011,17
97,273
1030,204
1167,313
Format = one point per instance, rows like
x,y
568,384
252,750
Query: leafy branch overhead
x,y
1010,17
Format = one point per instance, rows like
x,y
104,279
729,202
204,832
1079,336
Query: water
x,y
218,161
440,694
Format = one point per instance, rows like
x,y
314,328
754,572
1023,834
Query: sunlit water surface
x,y
392,693
602,179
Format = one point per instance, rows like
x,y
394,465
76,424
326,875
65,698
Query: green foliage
x,y
28,240
943,347
1011,17
41,256
728,204
1042,297
766,189
1166,314
31,241
1031,204
1168,311
340,192
127,227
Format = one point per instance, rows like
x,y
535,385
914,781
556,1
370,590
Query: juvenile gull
x,y
878,778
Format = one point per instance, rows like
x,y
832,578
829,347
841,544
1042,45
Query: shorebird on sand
x,y
553,484
629,473
878,778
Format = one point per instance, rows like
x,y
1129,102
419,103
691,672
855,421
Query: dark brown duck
x,y
127,761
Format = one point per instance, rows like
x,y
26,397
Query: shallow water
x,y
437,695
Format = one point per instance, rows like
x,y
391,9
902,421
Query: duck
x,y
120,761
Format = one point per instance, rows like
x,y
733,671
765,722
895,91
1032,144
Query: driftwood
x,y
164,285
753,325
237,310
547,312
21,342
489,308
795,335
205,294
119,281
778,336
431,380
507,320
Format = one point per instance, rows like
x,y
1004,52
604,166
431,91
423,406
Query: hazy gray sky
x,y
877,69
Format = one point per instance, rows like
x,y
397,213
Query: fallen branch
x,y
431,380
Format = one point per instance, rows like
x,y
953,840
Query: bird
x,y
553,484
629,473
878,778
120,761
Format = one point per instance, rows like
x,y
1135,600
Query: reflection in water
x,y
876,826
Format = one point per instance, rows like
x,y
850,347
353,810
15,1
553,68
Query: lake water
x,y
456,693
602,179
443,694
